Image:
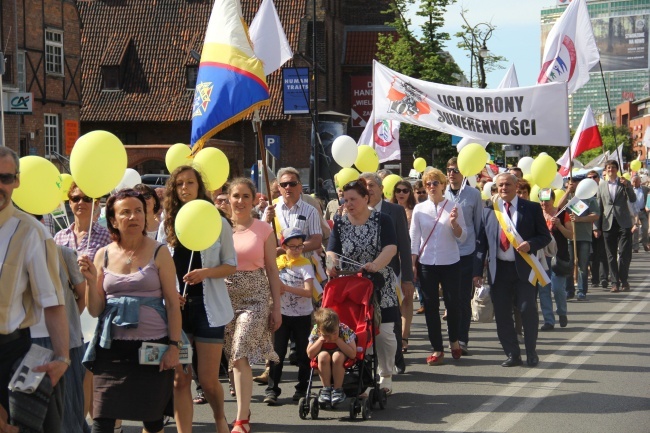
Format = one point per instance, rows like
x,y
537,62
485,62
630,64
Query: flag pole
x,y
573,226
611,117
257,123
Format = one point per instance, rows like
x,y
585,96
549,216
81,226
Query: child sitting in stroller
x,y
333,342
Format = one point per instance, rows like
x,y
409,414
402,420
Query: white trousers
x,y
386,348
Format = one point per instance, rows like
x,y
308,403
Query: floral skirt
x,y
248,334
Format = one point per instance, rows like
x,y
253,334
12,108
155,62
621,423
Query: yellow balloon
x,y
559,193
198,225
635,165
367,159
177,155
97,163
529,178
66,181
213,165
543,170
534,193
389,183
39,192
627,176
419,164
346,175
471,159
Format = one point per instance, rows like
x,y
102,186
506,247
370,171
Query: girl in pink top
x,y
248,336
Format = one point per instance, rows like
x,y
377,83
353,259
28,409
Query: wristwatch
x,y
178,344
67,361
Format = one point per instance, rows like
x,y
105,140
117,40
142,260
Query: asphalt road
x,y
593,376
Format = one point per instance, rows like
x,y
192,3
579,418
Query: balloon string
x,y
90,228
189,268
462,186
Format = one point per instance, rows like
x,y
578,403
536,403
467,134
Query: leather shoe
x,y
512,361
532,360
547,327
563,321
419,310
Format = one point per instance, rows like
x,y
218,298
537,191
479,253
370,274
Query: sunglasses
x,y
453,170
402,190
221,200
592,177
420,192
434,183
8,178
78,198
286,184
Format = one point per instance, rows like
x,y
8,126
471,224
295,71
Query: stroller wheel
x,y
355,408
366,409
372,397
313,408
303,408
383,399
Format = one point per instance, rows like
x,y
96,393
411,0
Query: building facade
x,y
41,85
636,116
621,31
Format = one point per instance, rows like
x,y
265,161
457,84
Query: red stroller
x,y
352,299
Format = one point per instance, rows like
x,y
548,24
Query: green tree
x,y
422,57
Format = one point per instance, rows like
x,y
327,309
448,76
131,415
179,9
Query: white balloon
x,y
344,151
472,181
525,163
488,157
130,179
586,189
487,188
558,182
428,168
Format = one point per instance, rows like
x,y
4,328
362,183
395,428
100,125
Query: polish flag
x,y
586,137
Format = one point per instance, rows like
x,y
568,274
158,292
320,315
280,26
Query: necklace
x,y
129,259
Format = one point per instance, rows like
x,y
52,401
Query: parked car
x,y
155,180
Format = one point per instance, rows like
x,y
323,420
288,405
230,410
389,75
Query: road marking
x,y
508,420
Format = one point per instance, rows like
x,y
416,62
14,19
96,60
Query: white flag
x,y
570,50
269,40
383,136
508,81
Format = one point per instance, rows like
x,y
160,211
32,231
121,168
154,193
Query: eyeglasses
x,y
350,185
296,247
592,177
434,183
402,190
286,184
8,178
453,170
221,200
78,198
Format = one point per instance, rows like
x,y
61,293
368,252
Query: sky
x,y
517,34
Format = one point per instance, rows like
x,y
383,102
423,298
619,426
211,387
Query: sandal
x,y
243,423
200,398
405,348
231,386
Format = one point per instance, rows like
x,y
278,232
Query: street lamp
x,y
479,39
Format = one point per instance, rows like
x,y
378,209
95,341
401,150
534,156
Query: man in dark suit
x,y
614,196
508,271
401,262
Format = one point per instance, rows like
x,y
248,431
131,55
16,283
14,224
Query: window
x,y
21,73
8,76
111,78
52,142
54,52
192,71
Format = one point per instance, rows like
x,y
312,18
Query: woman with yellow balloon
x,y
206,304
129,280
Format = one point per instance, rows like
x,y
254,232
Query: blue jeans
x,y
584,249
558,286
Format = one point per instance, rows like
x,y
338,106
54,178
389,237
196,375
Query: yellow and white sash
x,y
537,273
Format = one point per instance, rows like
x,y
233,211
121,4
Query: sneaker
x,y
582,297
271,399
463,348
298,395
338,396
325,395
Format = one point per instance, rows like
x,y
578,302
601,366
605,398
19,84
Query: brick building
x,y
636,116
41,43
139,75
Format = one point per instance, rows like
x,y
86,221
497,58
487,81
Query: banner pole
x,y
257,122
611,117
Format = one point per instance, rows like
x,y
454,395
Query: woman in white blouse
x,y
437,225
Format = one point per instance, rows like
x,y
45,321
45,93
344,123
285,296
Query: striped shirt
x,y
29,270
293,217
100,238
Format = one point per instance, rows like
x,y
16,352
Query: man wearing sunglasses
x,y
30,283
401,262
471,204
